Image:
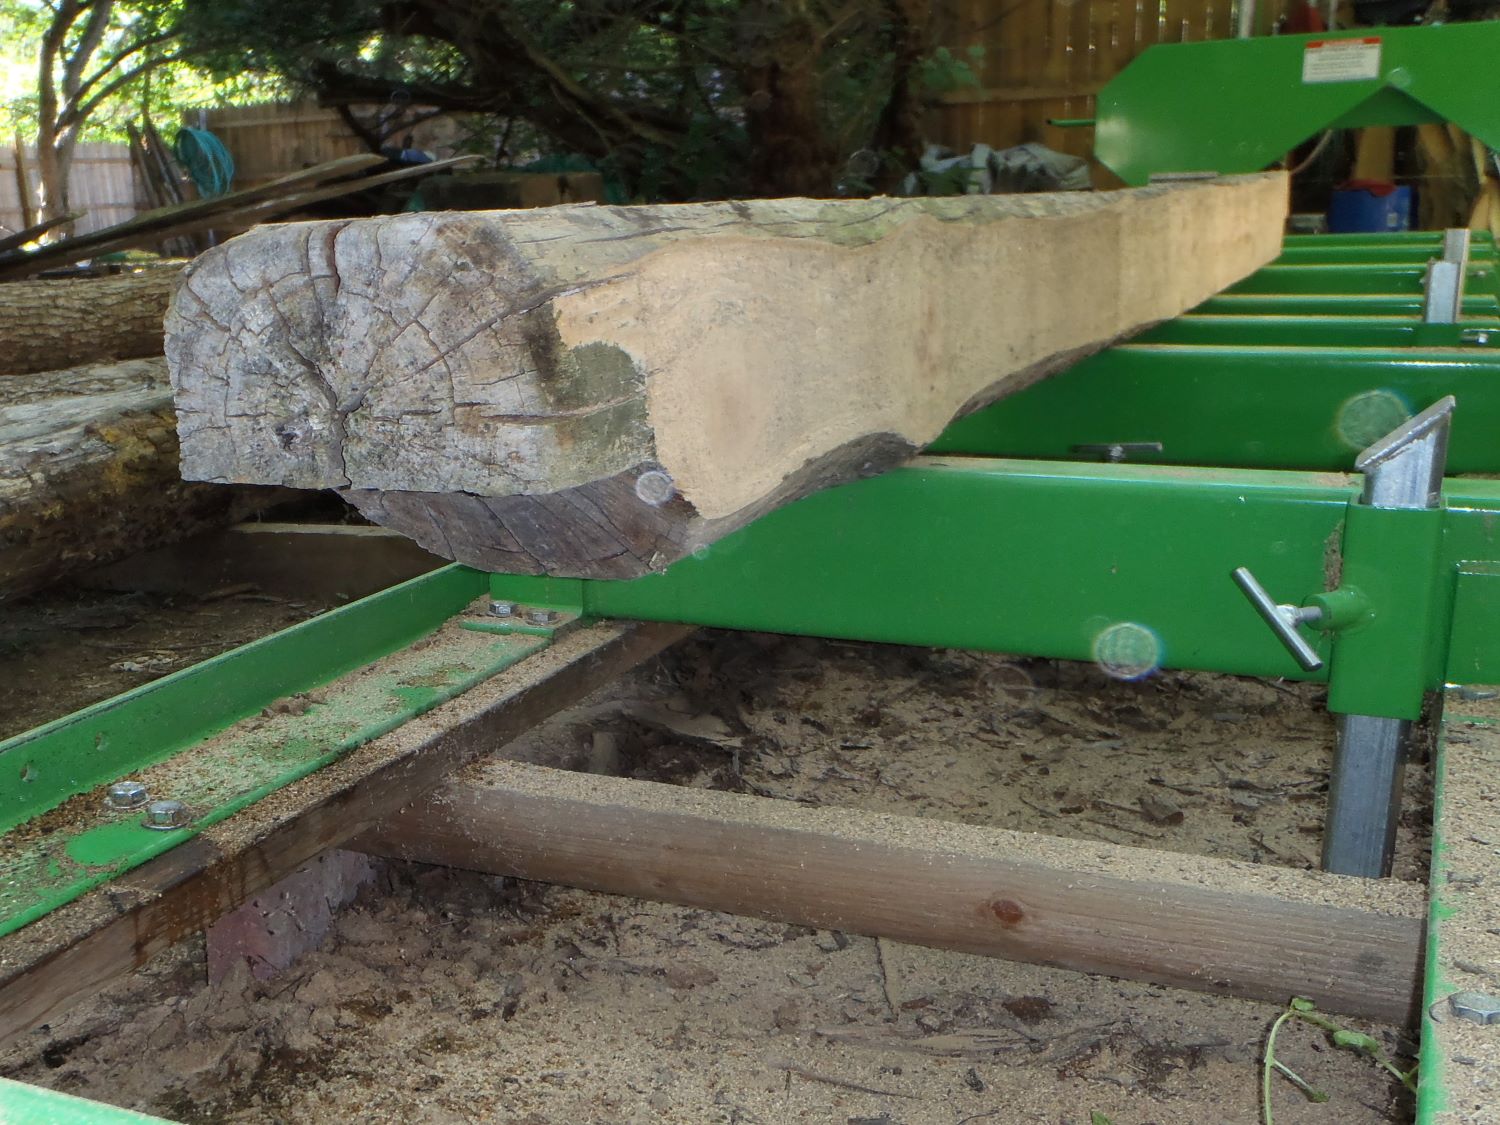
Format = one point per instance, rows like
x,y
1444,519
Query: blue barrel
x,y
1370,208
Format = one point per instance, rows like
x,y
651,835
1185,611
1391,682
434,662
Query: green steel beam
x,y
1305,408
79,752
1032,557
1342,278
1322,332
185,737
1375,253
1337,304
1240,105
1429,238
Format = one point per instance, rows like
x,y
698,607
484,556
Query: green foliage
x,y
1301,1008
943,72
676,98
139,44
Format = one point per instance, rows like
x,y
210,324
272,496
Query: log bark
x,y
49,325
598,391
88,473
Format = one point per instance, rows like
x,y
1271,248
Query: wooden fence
x,y
272,139
102,183
1049,58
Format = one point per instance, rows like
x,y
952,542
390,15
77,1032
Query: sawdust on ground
x,y
445,996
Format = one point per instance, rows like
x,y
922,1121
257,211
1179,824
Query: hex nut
x,y
1476,1007
166,815
125,795
502,609
542,616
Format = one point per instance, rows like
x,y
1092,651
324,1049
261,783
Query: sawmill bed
x,y
451,996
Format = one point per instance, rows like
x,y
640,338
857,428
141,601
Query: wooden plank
x,y
600,391
72,952
1353,946
145,228
36,230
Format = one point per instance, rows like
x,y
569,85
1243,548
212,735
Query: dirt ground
x,y
445,996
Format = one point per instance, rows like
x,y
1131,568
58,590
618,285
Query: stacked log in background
x,y
88,438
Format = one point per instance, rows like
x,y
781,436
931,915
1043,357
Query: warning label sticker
x,y
1341,60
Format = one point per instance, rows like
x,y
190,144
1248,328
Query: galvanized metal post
x,y
1402,471
1444,295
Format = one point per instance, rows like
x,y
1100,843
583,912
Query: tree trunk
x,y
88,473
46,325
599,391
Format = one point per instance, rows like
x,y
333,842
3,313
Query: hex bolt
x,y
1476,1007
542,616
166,815
502,609
125,795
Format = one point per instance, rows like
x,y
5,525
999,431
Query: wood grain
x,y
1240,929
599,391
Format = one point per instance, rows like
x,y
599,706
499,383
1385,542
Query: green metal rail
x,y
1240,105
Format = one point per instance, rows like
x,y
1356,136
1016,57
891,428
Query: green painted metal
x,y
1432,1094
1337,304
42,768
1385,664
22,1104
1322,332
1375,253
1347,279
1472,652
1432,238
1303,407
1065,560
1240,105
222,774
60,840
1040,558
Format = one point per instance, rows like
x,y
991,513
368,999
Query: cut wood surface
x,y
49,325
600,390
71,953
88,472
1353,946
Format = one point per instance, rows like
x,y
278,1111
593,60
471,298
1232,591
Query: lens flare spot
x,y
655,487
1368,417
1127,651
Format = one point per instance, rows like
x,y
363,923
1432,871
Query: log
x,y
1238,929
88,472
598,391
48,325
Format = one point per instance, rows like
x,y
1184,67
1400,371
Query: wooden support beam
x,y
74,951
1351,945
600,391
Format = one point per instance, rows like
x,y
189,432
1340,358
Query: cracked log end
x,y
598,391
